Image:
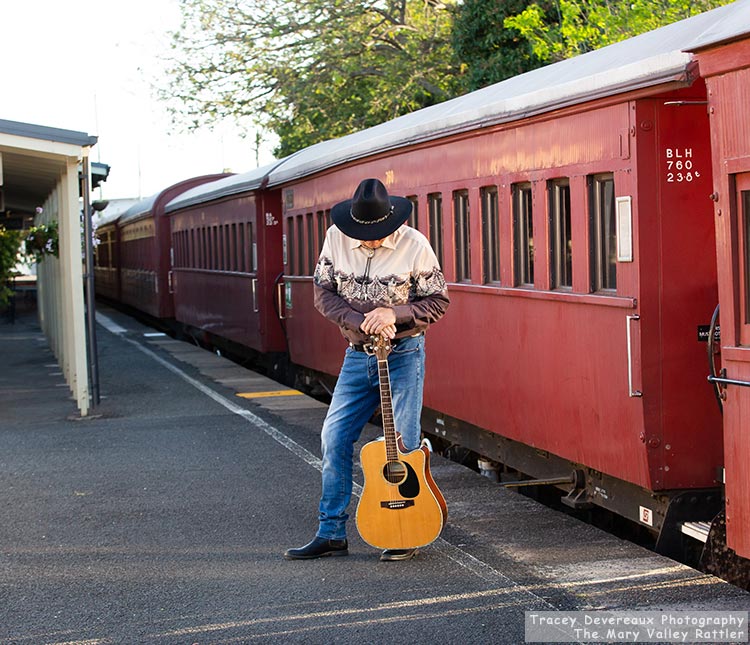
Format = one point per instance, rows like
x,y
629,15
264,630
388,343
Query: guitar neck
x,y
386,408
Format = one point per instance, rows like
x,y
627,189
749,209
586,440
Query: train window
x,y
300,261
222,257
603,232
523,234
291,252
241,266
207,240
414,216
329,221
217,262
435,202
233,246
204,247
310,245
461,235
561,248
227,248
253,247
490,235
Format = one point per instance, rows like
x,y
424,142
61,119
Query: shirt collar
x,y
389,242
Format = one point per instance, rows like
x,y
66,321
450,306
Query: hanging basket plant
x,y
42,240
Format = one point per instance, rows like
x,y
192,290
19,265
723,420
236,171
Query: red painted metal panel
x,y
219,303
736,450
235,304
551,374
728,81
691,428
314,342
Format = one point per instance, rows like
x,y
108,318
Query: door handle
x,y
632,393
280,300
254,284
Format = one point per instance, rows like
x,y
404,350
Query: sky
x,y
91,66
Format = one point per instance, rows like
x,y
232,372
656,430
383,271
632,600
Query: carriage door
x,y
735,357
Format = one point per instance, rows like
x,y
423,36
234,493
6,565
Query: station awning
x,y
40,168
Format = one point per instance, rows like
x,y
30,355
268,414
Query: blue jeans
x,y
355,398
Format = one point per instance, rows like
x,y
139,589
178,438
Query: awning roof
x,y
32,159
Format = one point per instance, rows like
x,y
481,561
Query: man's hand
x,y
380,321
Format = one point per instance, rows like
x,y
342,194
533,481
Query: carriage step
x,y
697,530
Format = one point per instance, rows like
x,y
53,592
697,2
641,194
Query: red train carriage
x,y
145,251
568,207
724,58
107,251
226,240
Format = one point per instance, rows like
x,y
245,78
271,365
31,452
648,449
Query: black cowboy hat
x,y
372,213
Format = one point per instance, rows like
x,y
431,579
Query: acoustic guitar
x,y
401,506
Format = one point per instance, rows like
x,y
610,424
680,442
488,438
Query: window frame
x,y
461,235
560,235
523,234
435,229
490,200
603,233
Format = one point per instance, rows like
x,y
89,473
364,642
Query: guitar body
x,y
401,507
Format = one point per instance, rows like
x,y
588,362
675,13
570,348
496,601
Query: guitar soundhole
x,y
394,472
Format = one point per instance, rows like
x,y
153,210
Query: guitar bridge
x,y
396,504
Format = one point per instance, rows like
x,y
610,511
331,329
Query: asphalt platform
x,y
163,518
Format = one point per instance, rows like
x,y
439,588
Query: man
x,y
375,275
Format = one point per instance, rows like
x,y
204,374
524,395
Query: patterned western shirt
x,y
402,274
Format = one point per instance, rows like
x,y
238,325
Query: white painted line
x,y
109,324
154,334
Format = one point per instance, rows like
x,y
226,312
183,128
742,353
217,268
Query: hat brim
x,y
341,214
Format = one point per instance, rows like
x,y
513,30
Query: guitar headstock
x,y
378,346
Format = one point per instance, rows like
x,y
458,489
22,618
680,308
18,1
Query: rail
x,y
727,381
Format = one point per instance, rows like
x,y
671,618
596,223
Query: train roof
x,y
114,210
219,188
731,24
140,208
651,59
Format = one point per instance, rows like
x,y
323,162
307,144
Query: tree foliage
x,y
10,247
309,70
578,26
487,50
312,70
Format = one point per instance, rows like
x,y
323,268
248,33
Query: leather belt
x,y
360,347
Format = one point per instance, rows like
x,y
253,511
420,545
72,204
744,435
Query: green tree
x,y
10,247
309,70
487,50
579,26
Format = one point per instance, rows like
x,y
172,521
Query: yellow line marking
x,y
260,395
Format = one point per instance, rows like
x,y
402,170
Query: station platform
x,y
163,518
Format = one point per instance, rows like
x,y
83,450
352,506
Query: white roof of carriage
x,y
651,59
232,185
731,23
